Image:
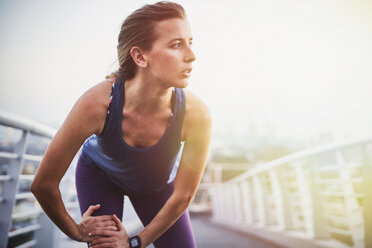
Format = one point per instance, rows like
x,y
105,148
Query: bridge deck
x,y
207,235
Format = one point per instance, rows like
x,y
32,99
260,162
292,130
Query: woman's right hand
x,y
91,223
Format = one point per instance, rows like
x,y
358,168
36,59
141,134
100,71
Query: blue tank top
x,y
140,170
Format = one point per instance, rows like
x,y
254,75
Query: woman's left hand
x,y
112,239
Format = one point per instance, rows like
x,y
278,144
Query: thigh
x,y
94,188
179,235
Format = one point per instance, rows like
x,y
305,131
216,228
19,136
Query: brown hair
x,y
138,30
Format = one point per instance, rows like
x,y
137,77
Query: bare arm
x,y
84,119
190,171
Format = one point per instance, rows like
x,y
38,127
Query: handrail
x,y
9,197
299,155
314,193
25,124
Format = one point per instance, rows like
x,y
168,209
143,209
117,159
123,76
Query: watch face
x,y
134,242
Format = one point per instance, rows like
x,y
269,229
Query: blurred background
x,y
287,80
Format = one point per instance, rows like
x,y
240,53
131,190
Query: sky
x,y
280,68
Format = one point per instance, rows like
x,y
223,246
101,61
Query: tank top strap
x,y
113,103
180,104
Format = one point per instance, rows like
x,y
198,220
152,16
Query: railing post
x,y
220,203
319,224
214,203
354,212
230,203
224,204
261,198
247,201
10,188
367,191
305,199
281,200
237,203
311,202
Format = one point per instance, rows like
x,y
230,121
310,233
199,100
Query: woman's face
x,y
170,58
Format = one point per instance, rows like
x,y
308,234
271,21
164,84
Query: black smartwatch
x,y
135,242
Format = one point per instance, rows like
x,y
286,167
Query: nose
x,y
190,56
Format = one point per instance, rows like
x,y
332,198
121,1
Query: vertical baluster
x,y
281,200
10,188
230,202
367,192
294,193
237,203
320,229
225,204
354,212
246,202
221,204
261,205
305,200
214,202
311,202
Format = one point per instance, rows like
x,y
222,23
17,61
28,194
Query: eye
x,y
177,45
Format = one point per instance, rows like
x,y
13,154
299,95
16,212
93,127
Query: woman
x,y
132,126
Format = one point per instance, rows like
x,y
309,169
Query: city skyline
x,y
287,69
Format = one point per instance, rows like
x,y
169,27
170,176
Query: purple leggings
x,y
93,188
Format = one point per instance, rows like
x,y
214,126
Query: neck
x,y
146,96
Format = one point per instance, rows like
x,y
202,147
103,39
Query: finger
x,y
112,228
118,222
105,223
101,232
91,209
103,218
101,240
109,223
104,245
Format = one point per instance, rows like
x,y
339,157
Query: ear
x,y
138,56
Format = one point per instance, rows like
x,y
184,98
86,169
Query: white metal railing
x,y
10,120
21,218
320,196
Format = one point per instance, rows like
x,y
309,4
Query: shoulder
x,y
100,91
195,106
96,96
94,102
197,114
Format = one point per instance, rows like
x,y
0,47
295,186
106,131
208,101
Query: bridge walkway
x,y
207,235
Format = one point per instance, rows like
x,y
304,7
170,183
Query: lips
x,y
187,70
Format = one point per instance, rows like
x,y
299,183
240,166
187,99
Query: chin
x,y
183,83
179,83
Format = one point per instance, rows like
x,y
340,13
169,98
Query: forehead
x,y
169,29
